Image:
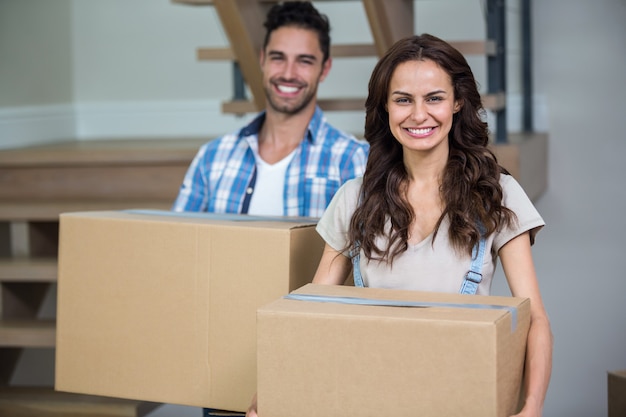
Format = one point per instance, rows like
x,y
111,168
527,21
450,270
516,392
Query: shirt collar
x,y
315,124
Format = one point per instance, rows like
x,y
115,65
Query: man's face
x,y
292,69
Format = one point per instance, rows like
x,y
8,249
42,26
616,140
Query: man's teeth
x,y
287,89
420,131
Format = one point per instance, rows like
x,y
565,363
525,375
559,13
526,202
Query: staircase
x,y
524,154
36,185
389,20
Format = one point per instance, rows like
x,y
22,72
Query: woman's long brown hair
x,y
470,188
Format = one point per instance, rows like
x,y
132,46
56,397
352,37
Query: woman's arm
x,y
333,269
518,266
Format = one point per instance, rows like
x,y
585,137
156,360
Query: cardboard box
x,y
439,355
162,307
617,393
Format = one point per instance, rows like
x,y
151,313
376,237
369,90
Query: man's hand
x,y
252,409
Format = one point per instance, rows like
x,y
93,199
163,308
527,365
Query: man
x,y
288,161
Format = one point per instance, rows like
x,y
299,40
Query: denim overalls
x,y
470,282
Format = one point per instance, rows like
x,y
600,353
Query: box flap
x,y
434,306
226,219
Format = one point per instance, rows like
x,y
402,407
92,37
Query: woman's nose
x,y
420,113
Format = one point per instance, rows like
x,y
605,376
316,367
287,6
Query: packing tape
x,y
222,216
401,303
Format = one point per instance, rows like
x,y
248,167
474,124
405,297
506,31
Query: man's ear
x,y
326,66
261,58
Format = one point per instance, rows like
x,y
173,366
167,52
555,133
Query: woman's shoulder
x,y
353,184
347,195
507,179
511,188
351,189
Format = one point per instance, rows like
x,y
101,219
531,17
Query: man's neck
x,y
282,133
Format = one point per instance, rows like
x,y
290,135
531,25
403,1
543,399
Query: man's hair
x,y
299,14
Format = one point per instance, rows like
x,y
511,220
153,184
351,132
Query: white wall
x,y
580,56
35,53
35,72
134,62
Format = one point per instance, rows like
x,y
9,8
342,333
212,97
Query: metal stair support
x,y
496,64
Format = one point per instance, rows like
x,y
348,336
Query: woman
x,y
433,197
432,193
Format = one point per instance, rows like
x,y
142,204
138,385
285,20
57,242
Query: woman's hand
x,y
531,409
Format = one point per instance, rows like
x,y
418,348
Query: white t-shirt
x,y
426,266
268,195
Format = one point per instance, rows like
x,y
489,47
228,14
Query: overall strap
x,y
470,282
474,275
355,255
356,266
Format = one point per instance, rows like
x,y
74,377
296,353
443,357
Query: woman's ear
x,y
458,104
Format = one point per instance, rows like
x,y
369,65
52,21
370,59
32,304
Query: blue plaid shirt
x,y
221,177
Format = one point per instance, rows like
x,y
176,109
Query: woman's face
x,y
421,104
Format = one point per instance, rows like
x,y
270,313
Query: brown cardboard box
x,y
617,393
162,307
460,355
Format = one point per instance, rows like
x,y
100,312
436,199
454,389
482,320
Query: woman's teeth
x,y
420,131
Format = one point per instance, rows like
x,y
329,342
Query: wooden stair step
x,y
28,270
210,2
97,170
487,48
46,402
107,152
49,210
27,333
525,156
